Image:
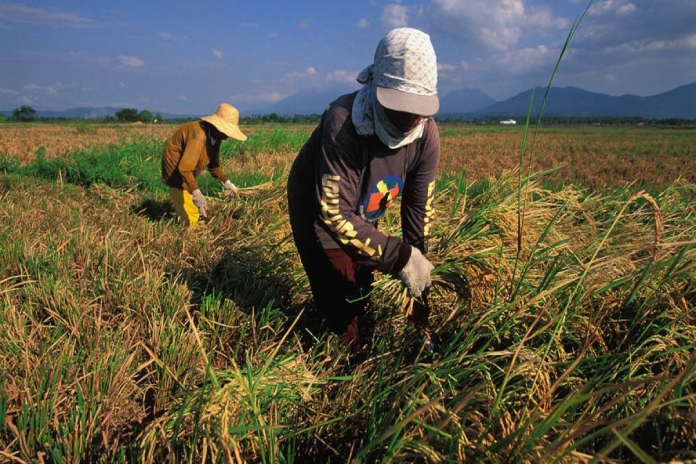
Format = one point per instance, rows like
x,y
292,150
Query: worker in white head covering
x,y
370,147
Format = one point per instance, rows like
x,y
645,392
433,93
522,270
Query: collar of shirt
x,y
212,139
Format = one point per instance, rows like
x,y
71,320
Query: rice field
x,y
563,306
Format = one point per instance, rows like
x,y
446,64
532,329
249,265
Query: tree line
x,y
26,113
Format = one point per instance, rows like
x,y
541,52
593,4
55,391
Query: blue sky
x,y
185,57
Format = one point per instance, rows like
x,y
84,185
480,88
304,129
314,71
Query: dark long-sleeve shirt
x,y
344,182
188,152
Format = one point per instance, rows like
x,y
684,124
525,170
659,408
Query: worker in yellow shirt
x,y
194,147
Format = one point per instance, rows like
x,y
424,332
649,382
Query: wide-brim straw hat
x,y
226,120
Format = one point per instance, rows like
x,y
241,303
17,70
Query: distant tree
x,y
3,118
24,113
127,115
145,116
158,118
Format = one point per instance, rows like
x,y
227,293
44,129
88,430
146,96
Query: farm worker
x,y
192,148
370,147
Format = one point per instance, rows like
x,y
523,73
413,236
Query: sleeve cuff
x,y
404,256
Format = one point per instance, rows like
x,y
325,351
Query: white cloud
x,y
637,48
464,64
618,7
340,76
601,7
394,16
8,91
131,61
43,90
446,67
310,77
15,13
272,96
24,100
625,10
264,97
307,73
362,23
526,60
217,53
165,35
690,42
494,24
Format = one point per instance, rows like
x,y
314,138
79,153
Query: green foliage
x,y
274,139
85,127
24,113
127,115
138,164
274,118
9,164
118,166
145,116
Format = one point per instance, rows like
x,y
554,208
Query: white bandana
x,y
405,71
369,117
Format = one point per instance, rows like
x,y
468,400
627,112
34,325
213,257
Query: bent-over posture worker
x,y
370,147
194,147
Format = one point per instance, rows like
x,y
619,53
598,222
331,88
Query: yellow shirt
x,y
188,152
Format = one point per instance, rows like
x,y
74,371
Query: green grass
x,y
137,164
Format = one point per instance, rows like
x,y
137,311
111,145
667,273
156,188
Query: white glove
x,y
228,185
416,274
199,201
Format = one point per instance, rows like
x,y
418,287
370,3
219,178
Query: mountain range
x,y
679,102
469,103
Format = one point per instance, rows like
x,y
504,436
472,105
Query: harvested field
x,y
594,157
123,338
23,140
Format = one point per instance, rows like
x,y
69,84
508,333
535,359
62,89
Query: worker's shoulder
x,y
431,128
338,112
342,106
193,127
191,131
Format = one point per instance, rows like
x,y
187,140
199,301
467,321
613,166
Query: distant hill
x,y
316,101
466,100
305,102
573,102
473,103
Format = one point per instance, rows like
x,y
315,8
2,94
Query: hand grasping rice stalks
x,y
251,190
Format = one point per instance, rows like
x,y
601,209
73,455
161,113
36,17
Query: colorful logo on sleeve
x,y
379,197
